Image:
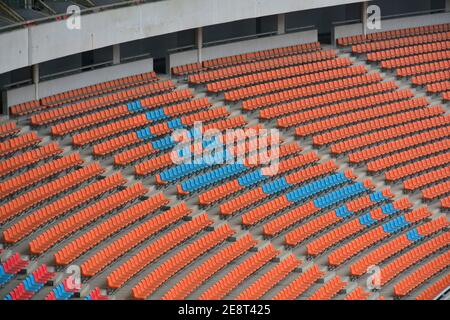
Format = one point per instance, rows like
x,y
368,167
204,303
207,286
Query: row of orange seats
x,y
99,88
319,112
18,143
396,245
209,267
88,120
431,77
392,34
416,167
373,236
239,273
408,155
426,68
331,288
322,99
108,227
446,96
79,220
81,93
33,221
445,202
420,275
120,275
438,87
396,145
426,178
153,165
402,120
37,174
8,129
356,116
357,294
436,191
252,67
63,112
301,283
105,256
401,42
435,289
28,158
294,82
408,51
413,256
26,108
262,54
416,59
311,90
180,260
276,74
269,279
390,133
245,57
48,190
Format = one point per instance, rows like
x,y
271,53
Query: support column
x,y
35,70
281,26
116,54
364,17
4,102
28,4
199,42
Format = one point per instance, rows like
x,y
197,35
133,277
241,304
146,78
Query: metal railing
x,y
241,38
392,16
63,16
76,70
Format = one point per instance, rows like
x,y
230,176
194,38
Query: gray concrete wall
x,y
14,50
47,88
283,40
54,40
392,24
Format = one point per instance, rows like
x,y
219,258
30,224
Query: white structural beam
x,y
54,40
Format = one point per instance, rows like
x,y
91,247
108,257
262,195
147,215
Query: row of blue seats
x,y
339,195
4,276
316,187
212,177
